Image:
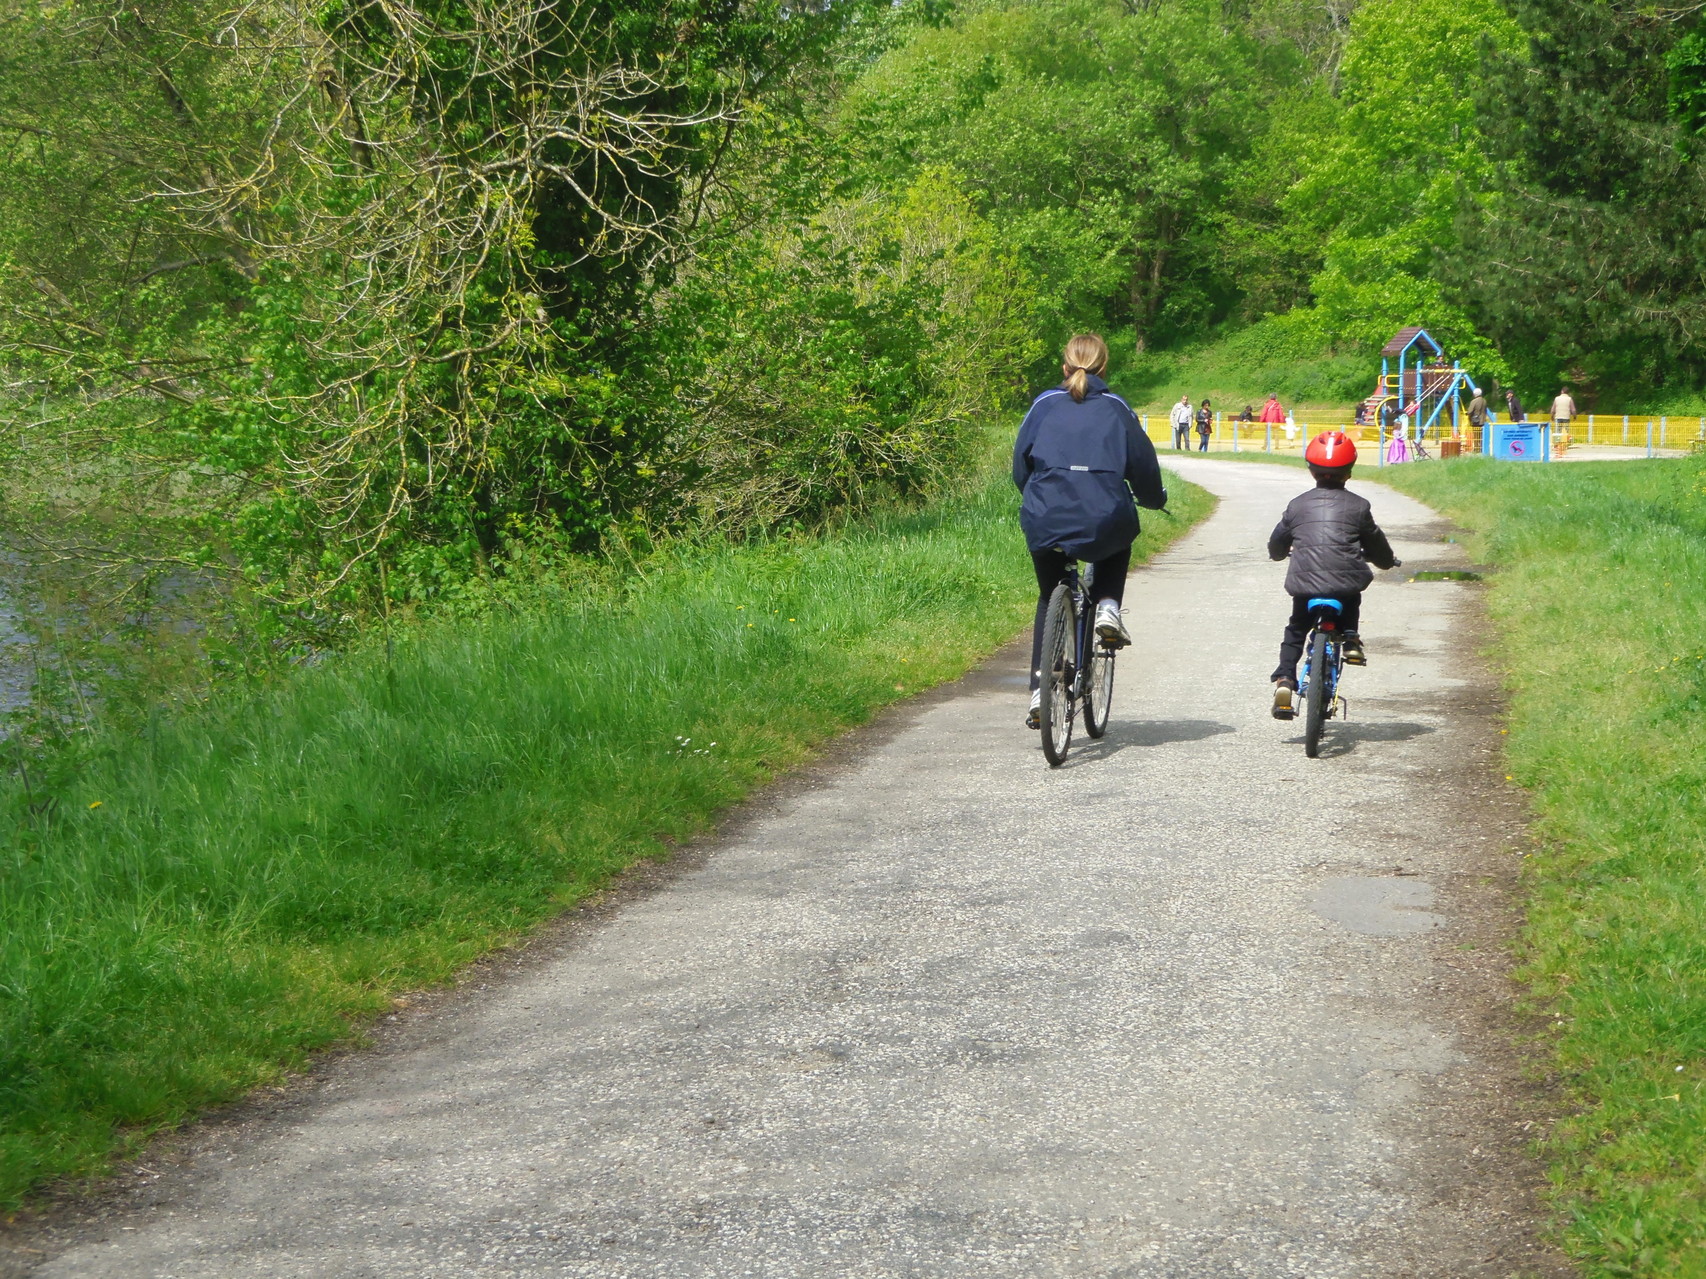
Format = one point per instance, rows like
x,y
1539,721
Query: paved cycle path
x,y
1191,1006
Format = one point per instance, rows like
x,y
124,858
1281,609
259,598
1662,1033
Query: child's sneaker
x,y
1283,705
1354,654
1110,628
1034,718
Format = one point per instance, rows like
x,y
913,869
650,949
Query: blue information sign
x,y
1521,441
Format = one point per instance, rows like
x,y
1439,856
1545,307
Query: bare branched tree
x,y
405,222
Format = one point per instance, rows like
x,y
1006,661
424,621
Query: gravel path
x,y
1191,1006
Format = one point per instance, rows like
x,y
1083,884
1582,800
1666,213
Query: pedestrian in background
x,y
1272,413
1181,419
1205,424
1515,406
1477,414
1478,408
1563,409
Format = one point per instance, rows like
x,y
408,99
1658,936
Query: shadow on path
x,y
1343,736
1120,735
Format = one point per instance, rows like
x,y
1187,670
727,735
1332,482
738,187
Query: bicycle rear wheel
x,y
1059,679
1098,689
1315,704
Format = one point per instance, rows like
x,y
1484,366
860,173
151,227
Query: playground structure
x,y
1627,434
1419,391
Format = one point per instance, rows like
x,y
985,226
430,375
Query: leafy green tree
x,y
1100,138
1590,262
1383,179
858,351
370,267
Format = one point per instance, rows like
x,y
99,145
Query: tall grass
x,y
237,887
1600,602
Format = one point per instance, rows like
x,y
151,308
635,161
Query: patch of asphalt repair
x,y
1193,1005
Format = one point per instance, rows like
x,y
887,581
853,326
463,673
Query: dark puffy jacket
x,y
1330,535
1074,462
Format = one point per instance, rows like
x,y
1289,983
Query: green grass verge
x,y
234,889
1600,601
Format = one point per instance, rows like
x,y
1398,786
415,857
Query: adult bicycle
x,y
1077,668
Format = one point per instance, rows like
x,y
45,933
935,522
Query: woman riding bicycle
x,y
1080,459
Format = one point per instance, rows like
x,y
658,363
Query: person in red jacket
x,y
1272,412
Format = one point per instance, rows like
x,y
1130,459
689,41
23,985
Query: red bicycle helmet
x,y
1331,449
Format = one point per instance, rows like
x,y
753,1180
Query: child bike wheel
x,y
1099,690
1315,704
1059,679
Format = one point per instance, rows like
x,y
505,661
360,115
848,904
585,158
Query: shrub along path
x,y
1192,1005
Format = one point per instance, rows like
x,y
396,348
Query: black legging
x,y
1107,582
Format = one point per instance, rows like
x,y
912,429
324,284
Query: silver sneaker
x,y
1034,718
1110,627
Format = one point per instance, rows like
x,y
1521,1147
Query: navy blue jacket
x,y
1074,462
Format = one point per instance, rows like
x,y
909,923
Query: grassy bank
x,y
1600,600
229,891
1225,373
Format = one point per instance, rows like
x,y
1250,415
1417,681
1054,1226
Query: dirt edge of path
x,y
1508,1099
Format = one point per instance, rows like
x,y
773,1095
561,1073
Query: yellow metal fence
x,y
1618,430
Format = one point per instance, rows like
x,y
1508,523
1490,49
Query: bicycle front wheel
x,y
1059,679
1315,704
1098,690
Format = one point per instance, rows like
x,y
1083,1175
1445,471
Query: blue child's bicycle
x,y
1323,662
1077,666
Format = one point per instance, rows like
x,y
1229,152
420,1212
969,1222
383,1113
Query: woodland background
x,y
312,313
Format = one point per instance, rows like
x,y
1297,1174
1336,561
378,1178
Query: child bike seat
x,y
1326,603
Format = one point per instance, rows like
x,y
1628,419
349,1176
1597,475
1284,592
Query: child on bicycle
x,y
1084,466
1331,537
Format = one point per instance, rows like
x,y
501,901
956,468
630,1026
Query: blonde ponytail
x,y
1086,354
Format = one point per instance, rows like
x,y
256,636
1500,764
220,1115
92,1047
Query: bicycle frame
x,y
1079,666
1082,639
1327,622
